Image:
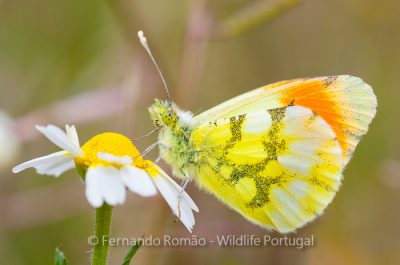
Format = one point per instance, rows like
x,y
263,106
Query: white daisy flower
x,y
110,164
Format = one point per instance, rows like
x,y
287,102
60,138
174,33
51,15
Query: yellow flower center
x,y
111,143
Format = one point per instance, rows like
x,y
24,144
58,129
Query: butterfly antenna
x,y
146,135
144,43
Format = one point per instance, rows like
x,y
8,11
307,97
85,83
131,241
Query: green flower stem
x,y
102,233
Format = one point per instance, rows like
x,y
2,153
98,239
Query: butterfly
x,y
276,154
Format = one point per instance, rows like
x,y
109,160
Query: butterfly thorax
x,y
176,127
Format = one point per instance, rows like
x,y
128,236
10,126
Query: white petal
x,y
138,181
187,217
103,184
40,161
59,138
179,201
173,183
93,188
56,168
123,160
114,189
72,134
178,206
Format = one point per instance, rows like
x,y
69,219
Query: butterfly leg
x,y
183,187
157,159
148,149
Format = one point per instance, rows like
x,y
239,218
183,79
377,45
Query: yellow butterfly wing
x,y
276,154
345,102
279,168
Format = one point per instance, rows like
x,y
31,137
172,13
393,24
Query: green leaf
x,y
59,258
132,252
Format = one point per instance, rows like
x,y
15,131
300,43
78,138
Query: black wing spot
x,y
329,80
277,115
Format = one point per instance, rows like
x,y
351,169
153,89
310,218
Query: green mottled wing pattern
x,y
279,168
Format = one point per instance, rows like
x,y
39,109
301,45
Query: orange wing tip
x,y
345,102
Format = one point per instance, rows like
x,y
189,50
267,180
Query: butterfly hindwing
x,y
279,168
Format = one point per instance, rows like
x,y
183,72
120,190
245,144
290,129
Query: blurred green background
x,y
71,61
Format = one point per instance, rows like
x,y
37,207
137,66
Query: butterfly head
x,y
163,114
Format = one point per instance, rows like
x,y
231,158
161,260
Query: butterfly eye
x,y
168,117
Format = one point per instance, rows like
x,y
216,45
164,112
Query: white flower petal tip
x,y
57,168
138,181
54,164
103,184
179,201
123,160
107,184
61,139
72,134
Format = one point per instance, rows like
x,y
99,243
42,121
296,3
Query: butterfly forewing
x,y
345,102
